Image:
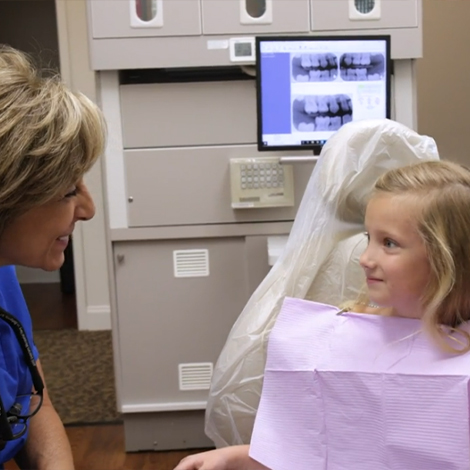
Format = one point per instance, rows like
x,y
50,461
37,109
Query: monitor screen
x,y
309,86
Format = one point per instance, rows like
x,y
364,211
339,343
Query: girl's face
x,y
38,237
395,261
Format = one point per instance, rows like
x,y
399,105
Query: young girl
x,y
417,265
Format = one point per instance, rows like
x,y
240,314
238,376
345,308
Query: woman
x,y
49,138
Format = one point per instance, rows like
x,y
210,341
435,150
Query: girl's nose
x,y
366,260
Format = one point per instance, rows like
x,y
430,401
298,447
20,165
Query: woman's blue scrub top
x,y
15,378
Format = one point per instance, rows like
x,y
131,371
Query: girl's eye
x,y
366,234
390,243
71,193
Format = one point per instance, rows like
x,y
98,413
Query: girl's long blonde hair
x,y
442,193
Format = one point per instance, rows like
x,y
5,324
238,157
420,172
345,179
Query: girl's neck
x,y
373,309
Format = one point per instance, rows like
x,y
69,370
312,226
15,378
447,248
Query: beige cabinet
x,y
173,319
203,33
255,16
144,18
177,162
354,15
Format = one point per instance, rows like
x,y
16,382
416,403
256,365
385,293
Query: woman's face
x,y
38,238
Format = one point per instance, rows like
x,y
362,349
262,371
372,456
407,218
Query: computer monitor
x,y
309,86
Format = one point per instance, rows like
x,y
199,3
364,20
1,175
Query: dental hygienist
x,y
49,138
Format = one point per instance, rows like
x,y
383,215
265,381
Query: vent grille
x,y
195,376
191,263
364,6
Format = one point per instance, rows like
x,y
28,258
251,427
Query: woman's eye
x,y
72,193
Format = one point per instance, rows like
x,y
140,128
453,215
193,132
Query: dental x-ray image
x,y
321,112
362,66
314,67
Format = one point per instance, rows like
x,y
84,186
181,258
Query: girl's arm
x,y
227,458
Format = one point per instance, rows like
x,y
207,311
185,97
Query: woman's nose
x,y
86,207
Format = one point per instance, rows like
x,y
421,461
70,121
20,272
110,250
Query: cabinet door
x,y
167,324
191,186
343,15
255,16
144,18
186,114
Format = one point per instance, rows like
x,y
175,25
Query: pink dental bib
x,y
359,392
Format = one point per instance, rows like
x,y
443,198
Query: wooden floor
x,y
50,309
99,447
102,448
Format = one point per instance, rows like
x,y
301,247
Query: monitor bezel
x,y
316,148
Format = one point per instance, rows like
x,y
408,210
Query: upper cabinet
x,y
144,18
136,34
255,16
341,15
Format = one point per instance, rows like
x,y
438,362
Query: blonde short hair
x,y
442,193
49,136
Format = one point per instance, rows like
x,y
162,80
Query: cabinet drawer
x,y
196,113
343,15
267,16
119,18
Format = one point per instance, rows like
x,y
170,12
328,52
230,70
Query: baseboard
x,y
98,317
159,407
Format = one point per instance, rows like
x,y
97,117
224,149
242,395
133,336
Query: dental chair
x,y
320,261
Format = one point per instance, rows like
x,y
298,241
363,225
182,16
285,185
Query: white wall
x,y
91,274
444,78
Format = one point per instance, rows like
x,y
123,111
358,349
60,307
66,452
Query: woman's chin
x,y
52,264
